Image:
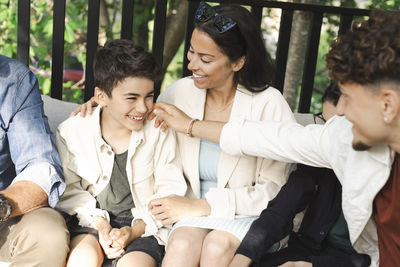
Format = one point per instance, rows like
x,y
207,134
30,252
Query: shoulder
x,y
9,66
337,137
77,126
12,74
13,71
268,104
269,95
178,90
153,135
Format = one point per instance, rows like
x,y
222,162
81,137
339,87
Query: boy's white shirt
x,y
153,169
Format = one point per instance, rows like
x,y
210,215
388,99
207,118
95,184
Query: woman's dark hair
x,y
120,59
244,39
332,94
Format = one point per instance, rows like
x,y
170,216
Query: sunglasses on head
x,y
206,12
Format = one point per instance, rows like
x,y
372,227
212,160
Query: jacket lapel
x,y
192,144
242,106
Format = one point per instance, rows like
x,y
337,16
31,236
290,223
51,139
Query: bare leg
x,y
136,259
218,250
85,251
184,247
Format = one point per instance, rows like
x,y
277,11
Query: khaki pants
x,y
38,238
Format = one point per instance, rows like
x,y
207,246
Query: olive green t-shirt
x,y
116,197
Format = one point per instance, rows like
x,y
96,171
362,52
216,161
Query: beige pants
x,y
38,238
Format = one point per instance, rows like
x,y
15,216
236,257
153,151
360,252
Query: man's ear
x,y
390,104
238,64
100,96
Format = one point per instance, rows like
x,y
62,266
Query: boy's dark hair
x,y
242,40
332,94
369,53
119,59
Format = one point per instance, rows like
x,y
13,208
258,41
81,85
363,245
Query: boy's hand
x,y
104,228
121,237
174,208
125,235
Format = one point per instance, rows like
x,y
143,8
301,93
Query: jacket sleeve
x,y
76,200
168,179
315,145
270,175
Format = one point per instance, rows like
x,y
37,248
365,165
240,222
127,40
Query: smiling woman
x,y
230,71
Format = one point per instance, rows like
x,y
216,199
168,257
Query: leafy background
x,y
110,24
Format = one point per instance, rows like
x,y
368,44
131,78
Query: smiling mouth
x,y
136,118
195,76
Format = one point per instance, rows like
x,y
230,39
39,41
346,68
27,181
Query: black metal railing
x,y
318,11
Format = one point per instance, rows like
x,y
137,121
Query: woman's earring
x,y
385,119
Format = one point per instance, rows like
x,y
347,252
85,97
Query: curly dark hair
x,y
369,52
120,59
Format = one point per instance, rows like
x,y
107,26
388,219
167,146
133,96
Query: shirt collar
x,y
137,137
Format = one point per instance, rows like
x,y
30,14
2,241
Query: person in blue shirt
x,y
31,179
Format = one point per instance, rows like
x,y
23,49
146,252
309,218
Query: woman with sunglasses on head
x,y
231,71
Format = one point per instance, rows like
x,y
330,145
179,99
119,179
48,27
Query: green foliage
x,y
41,33
75,38
174,70
8,28
385,4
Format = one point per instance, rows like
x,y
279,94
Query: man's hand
x,y
85,108
240,261
173,208
25,196
296,264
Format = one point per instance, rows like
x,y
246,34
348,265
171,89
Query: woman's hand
x,y
85,108
169,116
173,208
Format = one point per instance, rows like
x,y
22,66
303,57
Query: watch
x,y
5,208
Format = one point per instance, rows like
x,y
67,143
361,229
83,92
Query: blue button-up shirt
x,y
27,148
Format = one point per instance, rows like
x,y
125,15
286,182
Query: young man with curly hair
x,y
361,145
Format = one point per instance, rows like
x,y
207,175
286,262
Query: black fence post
x,y
160,21
282,50
189,29
91,46
24,23
57,63
127,19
